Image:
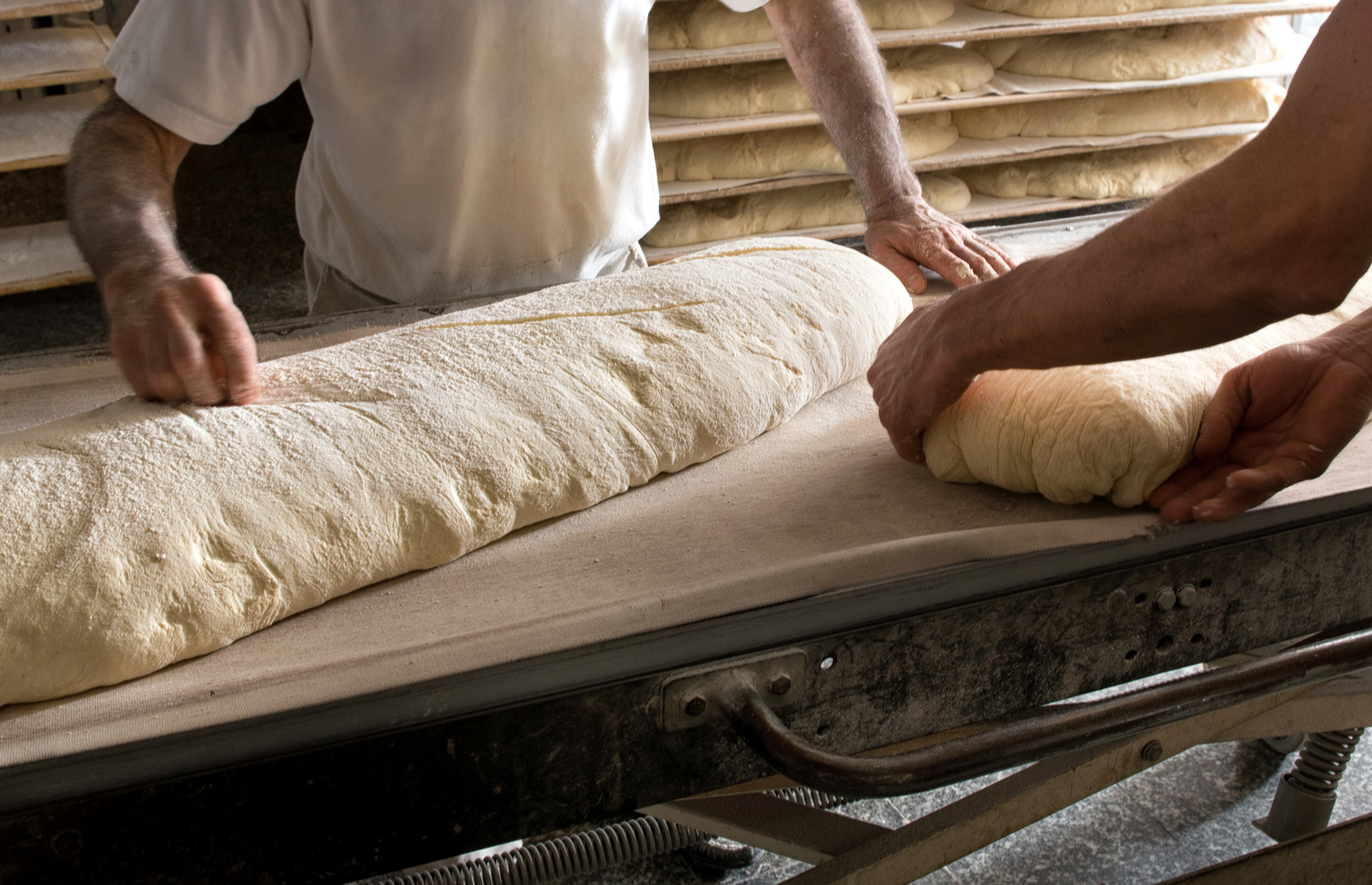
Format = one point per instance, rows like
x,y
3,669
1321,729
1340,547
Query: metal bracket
x,y
690,697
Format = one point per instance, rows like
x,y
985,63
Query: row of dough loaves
x,y
1108,174
925,72
769,153
708,24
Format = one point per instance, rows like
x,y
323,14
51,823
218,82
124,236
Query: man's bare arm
x,y
1283,226
831,50
175,333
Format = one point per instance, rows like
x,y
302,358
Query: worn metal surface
x,y
347,811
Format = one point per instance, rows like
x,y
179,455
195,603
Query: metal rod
x,y
1048,731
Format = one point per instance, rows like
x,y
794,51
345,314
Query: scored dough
x,y
1075,8
1160,53
1117,430
1156,110
779,151
792,208
140,534
769,87
1100,175
708,24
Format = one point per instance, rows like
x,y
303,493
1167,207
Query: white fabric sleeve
x,y
200,67
744,5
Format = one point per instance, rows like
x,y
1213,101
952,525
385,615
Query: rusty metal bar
x,y
1045,732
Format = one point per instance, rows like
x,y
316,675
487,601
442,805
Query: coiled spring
x,y
1323,759
585,852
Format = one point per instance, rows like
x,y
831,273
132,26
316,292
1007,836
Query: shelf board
x,y
54,56
38,131
968,23
40,256
35,8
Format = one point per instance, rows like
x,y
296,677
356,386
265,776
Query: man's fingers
x,y
905,269
237,352
186,351
997,260
908,447
979,265
1180,507
1222,415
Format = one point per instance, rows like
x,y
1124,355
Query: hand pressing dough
x,y
1116,430
1122,172
1088,8
769,87
140,534
779,151
1156,110
1161,53
793,208
708,24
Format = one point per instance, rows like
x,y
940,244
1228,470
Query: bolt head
x,y
1186,595
1152,751
695,706
781,684
1166,599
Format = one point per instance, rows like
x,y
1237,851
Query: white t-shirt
x,y
458,149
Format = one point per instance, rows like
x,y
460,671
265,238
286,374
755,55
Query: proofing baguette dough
x,y
709,24
1075,8
770,88
1116,430
1160,53
778,151
1156,110
1122,172
140,534
793,208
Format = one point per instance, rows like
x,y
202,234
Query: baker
x,y
458,150
1281,227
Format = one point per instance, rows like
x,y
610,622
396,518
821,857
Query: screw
x,y
1186,595
781,684
1152,751
1166,599
1117,598
695,706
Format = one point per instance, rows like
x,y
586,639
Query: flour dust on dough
x,y
1153,110
140,534
1088,8
709,24
788,209
1100,175
779,151
1158,53
769,87
1115,430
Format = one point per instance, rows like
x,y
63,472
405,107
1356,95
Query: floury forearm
x,y
119,195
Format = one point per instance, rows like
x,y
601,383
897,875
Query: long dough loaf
x,y
793,208
1116,430
1074,8
769,87
779,151
1122,172
1159,53
708,24
140,534
1154,110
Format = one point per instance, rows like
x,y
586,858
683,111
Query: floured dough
x,y
1161,53
1075,8
769,87
709,24
1156,110
779,151
793,208
1116,430
140,534
1122,172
